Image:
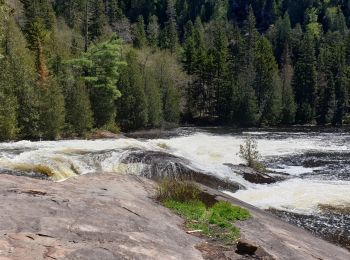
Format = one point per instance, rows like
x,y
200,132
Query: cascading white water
x,y
205,151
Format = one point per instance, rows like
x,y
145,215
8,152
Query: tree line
x,y
68,67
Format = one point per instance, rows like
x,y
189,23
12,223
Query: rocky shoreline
x,y
110,216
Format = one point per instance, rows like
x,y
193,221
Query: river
x,y
315,197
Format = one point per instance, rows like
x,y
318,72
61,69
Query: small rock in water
x,y
254,176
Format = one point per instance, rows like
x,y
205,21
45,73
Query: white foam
x,y
298,195
207,152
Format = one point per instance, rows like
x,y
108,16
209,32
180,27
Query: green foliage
x,y
267,85
288,103
249,152
100,68
247,63
304,80
52,111
8,107
215,222
21,77
8,114
172,189
78,109
132,107
140,39
153,31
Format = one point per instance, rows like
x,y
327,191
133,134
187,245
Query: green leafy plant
x,y
249,152
215,222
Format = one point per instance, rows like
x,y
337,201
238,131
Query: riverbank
x,y
110,216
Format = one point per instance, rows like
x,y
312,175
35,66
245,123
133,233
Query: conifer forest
x,y
68,67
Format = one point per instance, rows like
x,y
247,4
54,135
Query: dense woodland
x,y
71,66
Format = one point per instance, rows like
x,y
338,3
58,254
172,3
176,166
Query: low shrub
x,y
215,222
173,189
249,152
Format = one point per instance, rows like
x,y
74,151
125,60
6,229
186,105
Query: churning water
x,y
316,197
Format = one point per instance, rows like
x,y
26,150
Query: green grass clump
x,y
215,222
172,189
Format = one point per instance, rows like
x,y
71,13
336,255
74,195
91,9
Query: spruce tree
x,y
21,69
266,84
52,112
78,108
288,103
132,106
140,39
304,80
222,83
283,32
97,19
8,104
153,31
169,34
154,100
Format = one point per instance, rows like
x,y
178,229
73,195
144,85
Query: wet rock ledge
x,y
110,216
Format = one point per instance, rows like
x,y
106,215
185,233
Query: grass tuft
x,y
172,189
215,222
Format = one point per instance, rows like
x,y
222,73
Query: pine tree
x,y
153,31
8,105
288,103
222,83
52,113
100,68
154,100
304,80
140,39
132,106
246,112
97,19
21,69
170,36
283,32
267,85
114,11
189,55
78,108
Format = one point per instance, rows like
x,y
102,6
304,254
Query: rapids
x,y
319,163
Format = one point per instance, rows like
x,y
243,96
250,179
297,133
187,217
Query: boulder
x,y
159,165
254,176
245,247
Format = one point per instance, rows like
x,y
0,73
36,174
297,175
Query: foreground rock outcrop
x,y
102,216
110,216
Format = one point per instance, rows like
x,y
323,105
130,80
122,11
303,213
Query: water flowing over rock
x,y
159,165
254,176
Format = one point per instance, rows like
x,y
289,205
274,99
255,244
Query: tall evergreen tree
x,y
21,69
97,20
288,103
100,68
153,31
132,107
140,38
78,107
52,112
266,83
170,36
304,80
